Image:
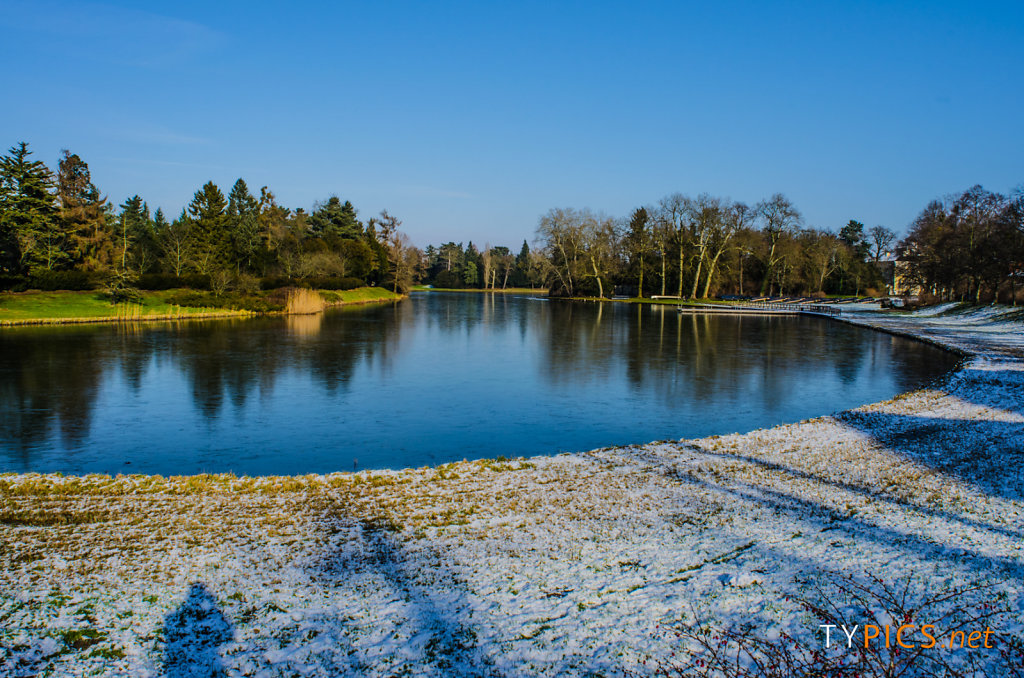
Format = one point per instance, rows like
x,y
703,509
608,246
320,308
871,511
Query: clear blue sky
x,y
470,120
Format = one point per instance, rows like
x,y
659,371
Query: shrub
x,y
449,279
191,299
275,282
233,301
196,281
15,283
159,281
246,284
332,283
49,281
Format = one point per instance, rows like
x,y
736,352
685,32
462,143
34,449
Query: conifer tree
x,y
208,213
335,220
28,213
84,214
243,223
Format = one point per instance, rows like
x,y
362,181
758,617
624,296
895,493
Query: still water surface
x,y
436,378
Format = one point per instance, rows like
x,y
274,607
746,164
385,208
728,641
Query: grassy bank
x,y
24,308
361,295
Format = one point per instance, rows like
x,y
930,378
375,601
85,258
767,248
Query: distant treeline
x,y
967,247
59,232
684,246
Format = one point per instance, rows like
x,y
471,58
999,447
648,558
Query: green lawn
x,y
358,295
22,307
41,305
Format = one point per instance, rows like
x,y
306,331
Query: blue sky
x,y
470,120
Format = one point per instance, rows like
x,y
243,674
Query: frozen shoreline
x,y
551,565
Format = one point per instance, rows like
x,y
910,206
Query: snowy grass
x,y
586,564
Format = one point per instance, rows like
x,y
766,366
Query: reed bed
x,y
301,300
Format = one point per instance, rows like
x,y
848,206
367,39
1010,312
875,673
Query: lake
x,y
435,378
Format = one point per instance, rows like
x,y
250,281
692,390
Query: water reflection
x,y
435,378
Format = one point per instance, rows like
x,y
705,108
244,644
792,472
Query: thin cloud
x,y
120,35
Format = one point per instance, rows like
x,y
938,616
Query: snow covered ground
x,y
584,564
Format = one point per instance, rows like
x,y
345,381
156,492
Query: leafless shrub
x,y
738,653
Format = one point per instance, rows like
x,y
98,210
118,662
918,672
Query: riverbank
x,y
507,290
62,308
569,565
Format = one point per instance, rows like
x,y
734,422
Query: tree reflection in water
x,y
432,379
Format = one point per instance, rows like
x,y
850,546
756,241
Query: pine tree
x,y
159,220
522,272
84,214
243,223
335,220
208,213
471,266
28,214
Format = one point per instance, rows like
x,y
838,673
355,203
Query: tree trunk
x,y
768,273
681,264
663,269
696,277
712,265
640,283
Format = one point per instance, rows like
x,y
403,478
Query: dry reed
x,y
301,300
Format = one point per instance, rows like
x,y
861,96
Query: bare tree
x,y
735,216
778,218
706,218
176,241
822,252
882,240
561,232
672,218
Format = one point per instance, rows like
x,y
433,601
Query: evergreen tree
x,y
521,276
380,252
208,213
335,220
639,242
30,236
85,214
159,220
471,266
243,223
853,235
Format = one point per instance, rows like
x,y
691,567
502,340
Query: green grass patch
x,y
66,305
22,307
359,295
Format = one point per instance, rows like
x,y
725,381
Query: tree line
x,y
59,227
967,247
491,268
699,246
